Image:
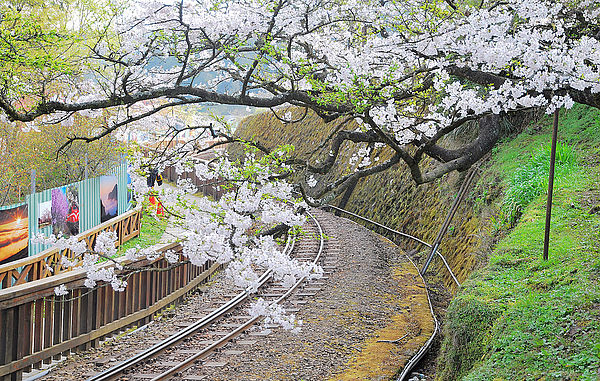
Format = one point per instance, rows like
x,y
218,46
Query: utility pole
x,y
550,186
85,169
32,181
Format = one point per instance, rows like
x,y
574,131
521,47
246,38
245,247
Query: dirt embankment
x,y
391,197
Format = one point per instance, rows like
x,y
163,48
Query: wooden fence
x,y
210,188
47,263
37,326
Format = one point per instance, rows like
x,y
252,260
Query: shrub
x,y
531,180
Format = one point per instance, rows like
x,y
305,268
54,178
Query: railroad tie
x,y
215,364
232,352
246,342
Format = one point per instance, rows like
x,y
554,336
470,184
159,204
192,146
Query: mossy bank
x,y
515,316
521,317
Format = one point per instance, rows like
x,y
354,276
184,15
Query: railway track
x,y
197,346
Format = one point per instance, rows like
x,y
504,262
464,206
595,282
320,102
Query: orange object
x,y
156,203
73,216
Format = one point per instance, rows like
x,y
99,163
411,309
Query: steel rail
x,y
118,369
315,261
410,364
401,234
189,362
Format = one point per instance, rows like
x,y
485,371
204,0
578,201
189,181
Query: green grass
x,y
151,231
531,179
520,317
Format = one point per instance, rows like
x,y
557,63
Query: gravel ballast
x,y
368,317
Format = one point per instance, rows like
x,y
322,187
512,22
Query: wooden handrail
x,y
127,226
37,326
14,296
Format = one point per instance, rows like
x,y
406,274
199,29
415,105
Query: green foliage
x,y
469,321
531,180
41,44
150,234
37,150
581,127
525,318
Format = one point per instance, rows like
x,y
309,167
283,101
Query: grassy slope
x,y
521,317
150,233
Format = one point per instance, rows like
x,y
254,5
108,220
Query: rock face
x,y
113,194
390,197
109,205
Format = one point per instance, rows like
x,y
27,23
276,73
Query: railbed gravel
x,y
348,309
82,365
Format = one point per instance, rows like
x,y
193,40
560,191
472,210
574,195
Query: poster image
x,y
65,211
73,216
14,234
45,218
129,190
109,201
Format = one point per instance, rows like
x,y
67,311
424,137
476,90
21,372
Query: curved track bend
x,y
183,354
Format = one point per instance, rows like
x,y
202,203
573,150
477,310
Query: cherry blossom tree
x,y
409,71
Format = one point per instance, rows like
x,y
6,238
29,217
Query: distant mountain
x,y
113,194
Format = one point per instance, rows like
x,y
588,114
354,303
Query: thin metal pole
x,y
32,181
459,197
85,169
550,186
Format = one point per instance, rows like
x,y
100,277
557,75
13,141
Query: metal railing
x,y
400,234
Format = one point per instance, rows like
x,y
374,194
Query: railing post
x,y
95,311
136,291
6,335
10,338
58,321
38,332
108,304
48,325
75,313
24,333
67,307
84,301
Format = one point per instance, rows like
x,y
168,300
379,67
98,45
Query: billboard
x,y
65,211
14,234
45,218
109,198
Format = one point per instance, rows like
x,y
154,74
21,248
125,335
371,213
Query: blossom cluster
x,y
362,54
88,260
223,231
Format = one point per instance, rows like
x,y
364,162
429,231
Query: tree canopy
x,y
408,71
